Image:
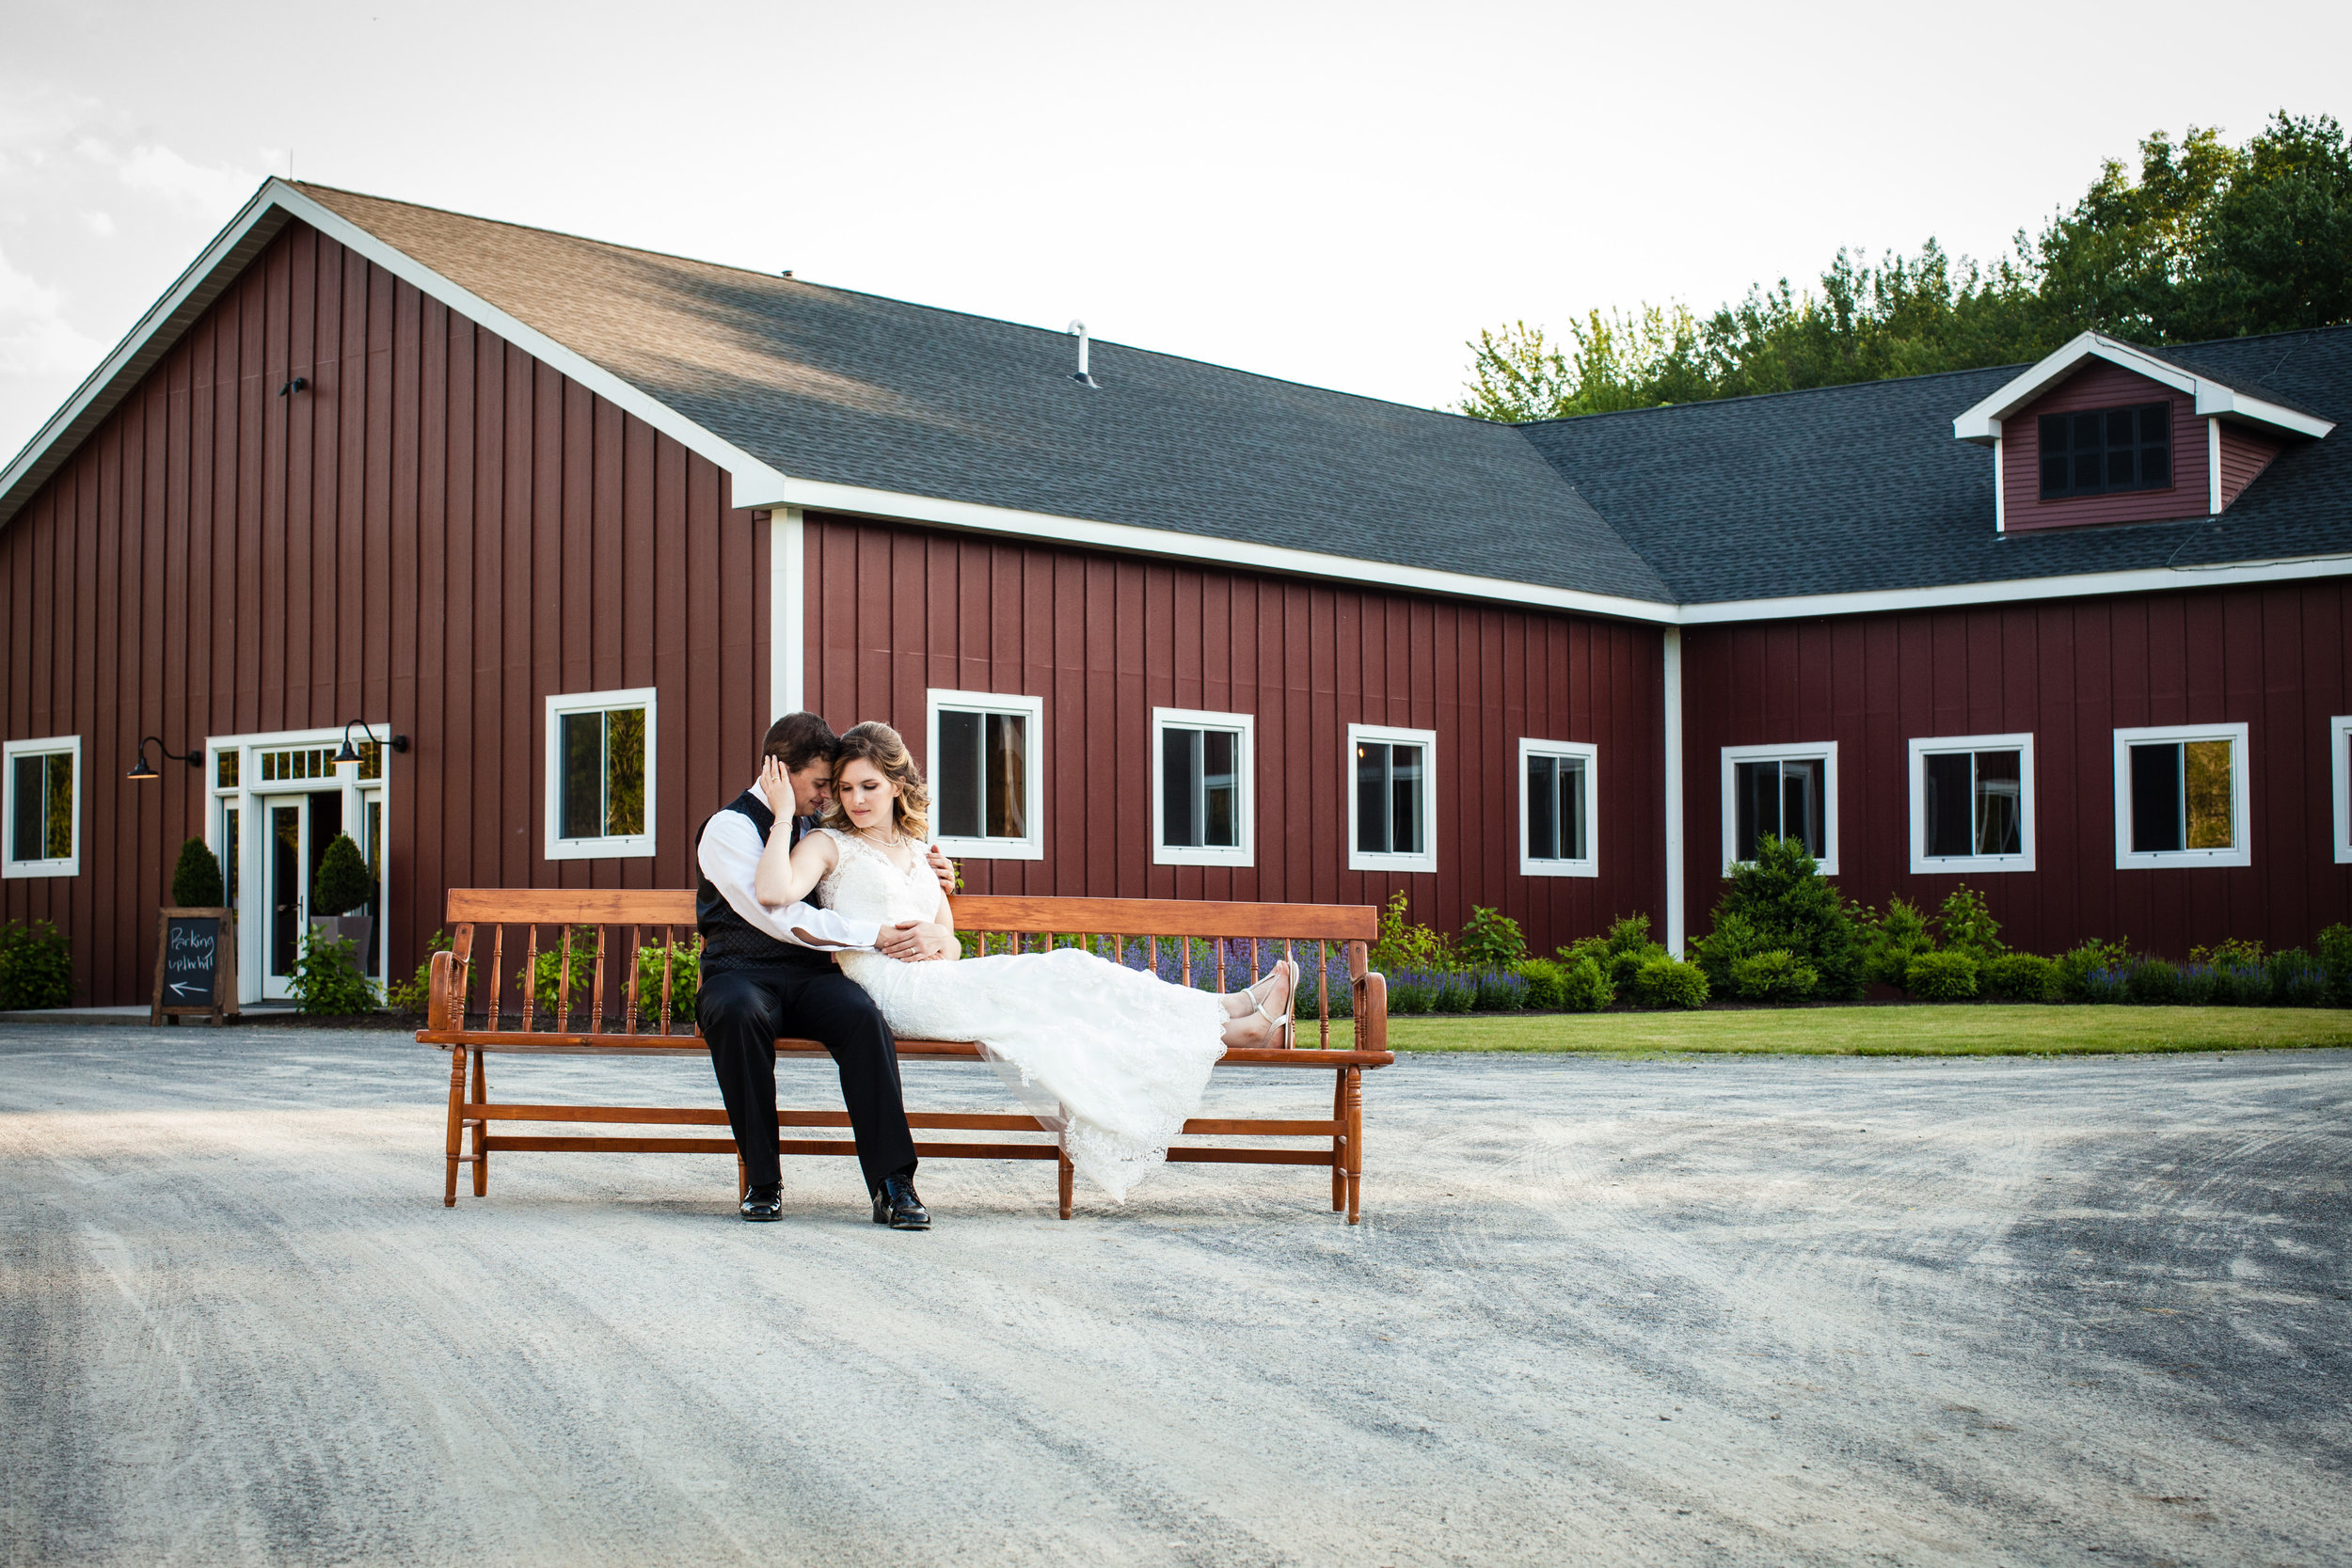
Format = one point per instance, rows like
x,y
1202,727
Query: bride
x,y
1112,1058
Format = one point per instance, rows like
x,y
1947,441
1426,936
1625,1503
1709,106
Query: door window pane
x,y
285,887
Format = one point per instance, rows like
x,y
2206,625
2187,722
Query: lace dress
x,y
1111,1058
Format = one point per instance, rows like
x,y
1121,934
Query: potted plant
x,y
344,884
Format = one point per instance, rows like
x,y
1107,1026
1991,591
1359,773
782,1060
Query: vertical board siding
x,y
894,611
2100,384
437,533
2070,672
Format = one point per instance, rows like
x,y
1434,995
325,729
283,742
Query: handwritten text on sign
x,y
191,960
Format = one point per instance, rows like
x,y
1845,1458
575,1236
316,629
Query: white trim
x,y
56,745
1392,735
1794,752
2241,851
617,846
1589,865
2212,467
1032,845
1244,789
1981,422
2000,484
787,610
2340,765
1675,922
2152,579
1923,747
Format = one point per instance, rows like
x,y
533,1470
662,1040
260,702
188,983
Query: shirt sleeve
x,y
729,856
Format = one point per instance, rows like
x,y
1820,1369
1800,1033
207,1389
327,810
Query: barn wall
x,y
2100,384
2244,456
896,611
439,532
2070,672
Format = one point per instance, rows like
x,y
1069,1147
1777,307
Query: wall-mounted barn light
x,y
294,385
143,770
351,752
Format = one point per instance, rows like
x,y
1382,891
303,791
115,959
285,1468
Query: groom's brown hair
x,y
798,739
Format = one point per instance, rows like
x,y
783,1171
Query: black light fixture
x,y
294,385
143,770
351,752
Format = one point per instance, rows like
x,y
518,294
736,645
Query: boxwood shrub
x,y
1665,982
2021,978
1947,977
1778,976
1586,989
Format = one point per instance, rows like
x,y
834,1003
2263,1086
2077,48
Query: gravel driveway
x,y
1769,1310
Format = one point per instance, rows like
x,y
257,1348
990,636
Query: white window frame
x,y
2338,736
1924,747
69,745
611,847
1359,860
1824,751
1590,755
938,699
1244,789
2241,816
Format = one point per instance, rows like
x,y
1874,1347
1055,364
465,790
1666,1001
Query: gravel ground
x,y
1742,1310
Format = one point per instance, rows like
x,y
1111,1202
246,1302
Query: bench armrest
x,y
1371,1011
443,1002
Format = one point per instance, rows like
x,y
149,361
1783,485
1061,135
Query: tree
x,y
196,881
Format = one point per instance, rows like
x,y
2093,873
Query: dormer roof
x,y
2236,399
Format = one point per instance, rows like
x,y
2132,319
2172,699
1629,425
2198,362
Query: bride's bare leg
x,y
1244,1003
1247,1028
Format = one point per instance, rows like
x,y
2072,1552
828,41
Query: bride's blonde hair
x,y
883,747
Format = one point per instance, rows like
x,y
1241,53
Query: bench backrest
x,y
567,951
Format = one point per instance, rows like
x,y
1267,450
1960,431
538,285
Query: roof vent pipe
x,y
1078,330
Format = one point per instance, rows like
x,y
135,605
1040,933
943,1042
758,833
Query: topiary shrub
x,y
1782,895
35,966
196,882
1775,976
1892,941
1544,979
1498,991
1950,976
2335,961
344,883
1665,982
1491,939
2296,980
1586,988
2151,983
326,979
2020,977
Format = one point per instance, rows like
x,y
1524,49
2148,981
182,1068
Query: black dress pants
x,y
742,1014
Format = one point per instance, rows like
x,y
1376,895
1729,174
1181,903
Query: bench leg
x,y
742,1182
456,1113
1354,1078
1069,1181
1339,1142
482,1125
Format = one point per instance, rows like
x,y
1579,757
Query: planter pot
x,y
357,929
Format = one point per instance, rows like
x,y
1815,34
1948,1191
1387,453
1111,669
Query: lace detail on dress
x,y
1112,1059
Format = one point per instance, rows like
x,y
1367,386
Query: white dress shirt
x,y
729,856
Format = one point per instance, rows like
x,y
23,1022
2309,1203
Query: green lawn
x,y
1917,1031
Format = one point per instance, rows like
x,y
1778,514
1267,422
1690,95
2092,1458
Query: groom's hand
x,y
914,940
943,868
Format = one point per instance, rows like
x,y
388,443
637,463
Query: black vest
x,y
730,942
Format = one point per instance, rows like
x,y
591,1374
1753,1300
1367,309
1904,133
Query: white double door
x,y
278,801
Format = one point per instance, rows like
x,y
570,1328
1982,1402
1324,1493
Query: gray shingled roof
x,y
1850,489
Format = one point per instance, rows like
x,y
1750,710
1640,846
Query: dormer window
x,y
2102,451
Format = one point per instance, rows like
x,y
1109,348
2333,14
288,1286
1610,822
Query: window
x,y
43,809
2104,450
988,775
1556,795
1392,799
1972,803
1783,792
1203,770
600,777
2180,795
2339,749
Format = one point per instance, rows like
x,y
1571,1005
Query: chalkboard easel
x,y
196,957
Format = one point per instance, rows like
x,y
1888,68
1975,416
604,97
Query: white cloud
x,y
100,223
35,339
158,171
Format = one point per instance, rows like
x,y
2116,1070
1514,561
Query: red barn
x,y
563,525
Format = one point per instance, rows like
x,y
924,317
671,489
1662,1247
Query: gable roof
x,y
2238,398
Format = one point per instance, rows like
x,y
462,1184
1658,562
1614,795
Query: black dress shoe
x,y
764,1203
896,1206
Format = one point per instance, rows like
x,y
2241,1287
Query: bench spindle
x,y
529,979
563,982
669,956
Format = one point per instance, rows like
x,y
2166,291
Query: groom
x,y
766,973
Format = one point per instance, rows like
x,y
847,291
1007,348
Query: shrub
x,y
1412,991
1950,976
1893,940
326,979
417,994
1586,989
1594,948
35,966
685,974
345,883
2076,966
2019,976
1775,976
1665,982
1622,952
2240,985
1544,981
1402,946
1455,993
1499,991
2296,980
2151,983
2229,950
2335,961
1969,926
2194,985
196,882
1782,895
1734,937
1491,939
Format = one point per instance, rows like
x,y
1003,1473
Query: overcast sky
x,y
1340,194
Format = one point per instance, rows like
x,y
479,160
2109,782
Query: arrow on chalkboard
x,y
185,990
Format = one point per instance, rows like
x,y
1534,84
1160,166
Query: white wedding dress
x,y
1111,1058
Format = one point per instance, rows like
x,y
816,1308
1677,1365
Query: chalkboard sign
x,y
196,964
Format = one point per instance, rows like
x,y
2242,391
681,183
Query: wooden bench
x,y
480,1007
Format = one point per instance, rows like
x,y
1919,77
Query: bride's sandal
x,y
1277,1026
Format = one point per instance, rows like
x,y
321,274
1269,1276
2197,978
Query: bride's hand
x,y
775,783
